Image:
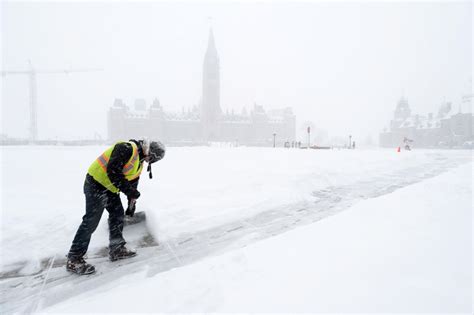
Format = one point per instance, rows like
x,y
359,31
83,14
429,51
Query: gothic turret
x,y
402,111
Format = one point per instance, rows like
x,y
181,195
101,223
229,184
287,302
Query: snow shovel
x,y
131,217
136,229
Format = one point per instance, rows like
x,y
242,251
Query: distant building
x,y
205,123
445,129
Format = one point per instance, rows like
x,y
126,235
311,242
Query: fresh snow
x,y
408,251
407,248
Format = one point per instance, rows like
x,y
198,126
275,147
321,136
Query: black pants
x,y
98,198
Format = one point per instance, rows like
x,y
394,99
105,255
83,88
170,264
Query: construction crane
x,y
32,72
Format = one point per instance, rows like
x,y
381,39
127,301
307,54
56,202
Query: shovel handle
x,y
131,207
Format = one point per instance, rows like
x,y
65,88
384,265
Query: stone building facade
x,y
205,123
447,128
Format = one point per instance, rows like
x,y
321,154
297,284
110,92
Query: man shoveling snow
x,y
116,170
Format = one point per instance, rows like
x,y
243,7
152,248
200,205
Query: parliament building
x,y
204,123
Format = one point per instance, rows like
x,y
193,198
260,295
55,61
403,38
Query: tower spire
x,y
211,51
210,108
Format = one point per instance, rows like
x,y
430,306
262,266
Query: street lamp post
x,y
309,136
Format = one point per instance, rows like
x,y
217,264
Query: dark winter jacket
x,y
119,157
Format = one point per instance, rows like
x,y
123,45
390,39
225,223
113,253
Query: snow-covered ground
x,y
401,240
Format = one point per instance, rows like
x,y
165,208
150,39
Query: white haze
x,y
340,65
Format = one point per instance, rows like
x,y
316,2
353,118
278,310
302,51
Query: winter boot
x,y
79,266
121,253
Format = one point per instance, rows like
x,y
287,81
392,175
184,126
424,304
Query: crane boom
x,y
32,72
65,71
4,73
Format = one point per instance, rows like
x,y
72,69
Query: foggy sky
x,y
341,65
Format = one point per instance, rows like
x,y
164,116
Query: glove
x,y
133,194
131,207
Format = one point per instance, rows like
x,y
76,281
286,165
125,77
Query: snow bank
x,y
408,251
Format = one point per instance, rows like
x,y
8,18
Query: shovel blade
x,y
137,218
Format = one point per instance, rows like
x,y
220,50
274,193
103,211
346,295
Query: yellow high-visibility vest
x,y
131,170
